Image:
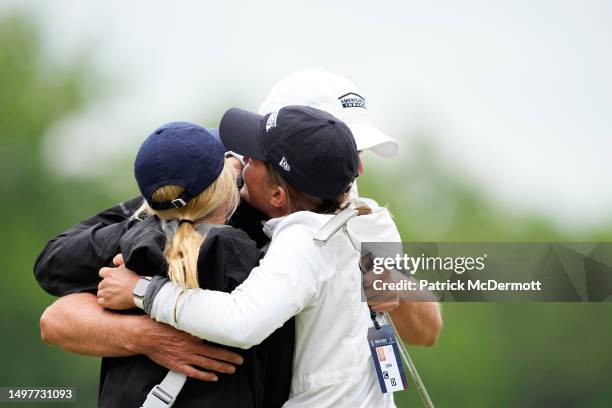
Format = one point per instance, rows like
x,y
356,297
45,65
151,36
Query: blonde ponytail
x,y
182,255
183,248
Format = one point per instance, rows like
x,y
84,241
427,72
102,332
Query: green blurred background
x,y
489,355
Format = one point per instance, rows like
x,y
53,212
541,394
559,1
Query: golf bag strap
x,y
164,394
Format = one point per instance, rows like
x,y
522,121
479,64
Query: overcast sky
x,y
517,96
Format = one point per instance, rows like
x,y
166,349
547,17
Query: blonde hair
x,y
183,249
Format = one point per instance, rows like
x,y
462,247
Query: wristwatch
x,y
139,291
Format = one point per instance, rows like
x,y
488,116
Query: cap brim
x,y
239,131
367,137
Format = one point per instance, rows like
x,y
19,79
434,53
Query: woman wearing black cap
x,y
301,165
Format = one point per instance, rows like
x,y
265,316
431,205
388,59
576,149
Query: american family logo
x,y
412,264
271,122
352,100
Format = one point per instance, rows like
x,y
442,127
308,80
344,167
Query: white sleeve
x,y
288,279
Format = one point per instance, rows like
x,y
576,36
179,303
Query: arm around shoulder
x,y
285,282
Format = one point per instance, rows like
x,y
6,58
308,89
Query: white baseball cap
x,y
335,94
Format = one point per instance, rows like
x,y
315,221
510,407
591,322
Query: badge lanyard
x,y
418,383
386,357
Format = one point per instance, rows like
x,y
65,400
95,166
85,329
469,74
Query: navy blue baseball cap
x,y
311,150
181,154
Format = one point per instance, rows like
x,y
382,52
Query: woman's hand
x,y
236,165
115,290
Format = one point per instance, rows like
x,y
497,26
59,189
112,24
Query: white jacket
x,y
320,286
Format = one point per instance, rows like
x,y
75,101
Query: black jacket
x,y
70,263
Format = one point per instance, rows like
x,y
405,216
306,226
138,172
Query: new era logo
x,y
284,164
352,100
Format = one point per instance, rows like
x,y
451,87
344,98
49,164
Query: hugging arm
x,y
262,303
62,324
78,324
418,323
69,264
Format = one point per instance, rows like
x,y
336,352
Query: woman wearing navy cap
x,y
179,234
301,164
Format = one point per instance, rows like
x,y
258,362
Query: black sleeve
x,y
113,215
143,248
70,262
226,258
249,219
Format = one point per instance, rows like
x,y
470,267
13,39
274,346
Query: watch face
x,y
141,287
139,302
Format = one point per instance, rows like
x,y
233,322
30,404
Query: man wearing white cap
x,y
337,95
418,323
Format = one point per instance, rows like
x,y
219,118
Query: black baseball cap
x,y
310,149
181,154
